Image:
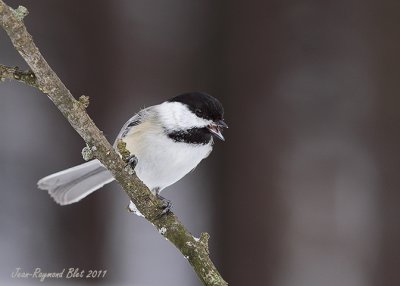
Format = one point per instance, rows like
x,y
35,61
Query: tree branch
x,y
194,250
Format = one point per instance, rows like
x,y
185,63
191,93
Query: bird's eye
x,y
198,112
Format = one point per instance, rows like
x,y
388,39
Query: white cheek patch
x,y
177,116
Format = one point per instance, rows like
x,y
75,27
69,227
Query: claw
x,y
131,161
164,212
166,206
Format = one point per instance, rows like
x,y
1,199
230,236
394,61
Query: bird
x,y
166,142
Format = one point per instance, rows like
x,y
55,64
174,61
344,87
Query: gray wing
x,y
132,122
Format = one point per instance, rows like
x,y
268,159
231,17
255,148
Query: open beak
x,y
216,127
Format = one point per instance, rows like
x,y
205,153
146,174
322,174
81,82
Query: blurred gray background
x,y
305,190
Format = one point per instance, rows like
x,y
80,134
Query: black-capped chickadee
x,y
167,140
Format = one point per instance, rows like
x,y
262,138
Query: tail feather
x,y
73,184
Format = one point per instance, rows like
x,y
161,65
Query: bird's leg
x,y
167,205
132,161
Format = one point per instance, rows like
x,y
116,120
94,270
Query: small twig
x,y
21,12
121,147
84,100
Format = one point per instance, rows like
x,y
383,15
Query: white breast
x,y
161,161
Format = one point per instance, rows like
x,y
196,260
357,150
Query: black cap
x,y
201,104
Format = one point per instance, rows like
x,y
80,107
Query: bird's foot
x,y
132,161
166,206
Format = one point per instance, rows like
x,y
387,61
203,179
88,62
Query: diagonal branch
x,y
195,250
